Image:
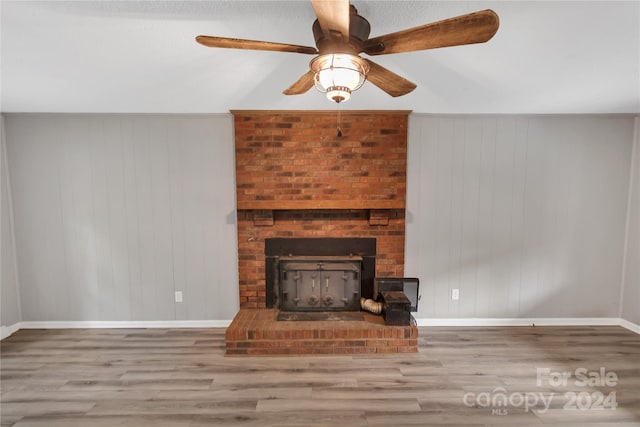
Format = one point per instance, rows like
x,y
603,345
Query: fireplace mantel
x,y
290,205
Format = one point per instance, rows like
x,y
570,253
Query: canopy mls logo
x,y
500,401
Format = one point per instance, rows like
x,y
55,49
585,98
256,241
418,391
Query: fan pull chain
x,y
339,121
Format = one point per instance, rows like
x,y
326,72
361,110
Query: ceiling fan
x,y
341,35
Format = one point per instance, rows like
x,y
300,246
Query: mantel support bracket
x,y
263,218
378,217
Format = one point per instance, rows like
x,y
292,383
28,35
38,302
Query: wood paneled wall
x,y
113,214
524,215
9,292
630,301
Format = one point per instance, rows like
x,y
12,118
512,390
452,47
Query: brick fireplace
x,y
296,178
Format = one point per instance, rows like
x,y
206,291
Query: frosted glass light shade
x,y
339,74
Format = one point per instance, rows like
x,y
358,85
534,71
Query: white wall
x,y
114,213
630,301
524,215
9,298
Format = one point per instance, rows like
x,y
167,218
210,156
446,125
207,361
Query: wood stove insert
x,y
319,284
319,274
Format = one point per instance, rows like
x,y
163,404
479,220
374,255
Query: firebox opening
x,y
319,274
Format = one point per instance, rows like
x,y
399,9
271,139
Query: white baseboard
x,y
630,326
88,324
542,321
6,331
96,324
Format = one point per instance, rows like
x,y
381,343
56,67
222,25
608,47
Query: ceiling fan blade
x,y
301,86
334,16
477,27
230,43
388,81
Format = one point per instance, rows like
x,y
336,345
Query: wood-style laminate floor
x,y
181,378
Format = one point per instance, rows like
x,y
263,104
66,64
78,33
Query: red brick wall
x,y
297,156
290,166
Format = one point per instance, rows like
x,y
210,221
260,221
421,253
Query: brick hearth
x,y
257,332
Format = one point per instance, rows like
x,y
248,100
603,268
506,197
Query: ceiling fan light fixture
x,y
338,94
339,74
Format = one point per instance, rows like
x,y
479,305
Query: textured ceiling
x,y
108,56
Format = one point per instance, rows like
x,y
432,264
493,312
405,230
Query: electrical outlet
x,y
178,296
455,294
